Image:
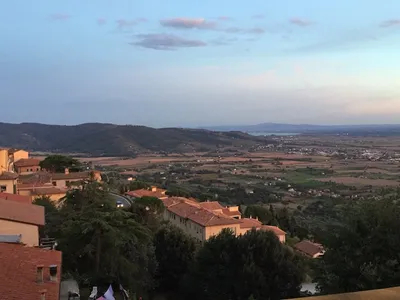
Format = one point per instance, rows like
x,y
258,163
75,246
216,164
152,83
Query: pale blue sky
x,y
193,63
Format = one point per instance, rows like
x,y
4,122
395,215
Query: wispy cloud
x,y
223,41
122,23
142,20
390,23
101,21
225,18
60,16
258,16
300,22
165,42
254,30
189,23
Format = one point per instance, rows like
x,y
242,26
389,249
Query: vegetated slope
x,y
110,139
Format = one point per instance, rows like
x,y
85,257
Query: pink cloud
x,y
60,16
122,23
224,18
188,23
390,23
300,22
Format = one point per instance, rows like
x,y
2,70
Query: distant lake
x,y
256,133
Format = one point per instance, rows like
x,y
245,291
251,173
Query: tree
x,y
175,252
100,241
51,215
58,163
253,265
148,212
362,250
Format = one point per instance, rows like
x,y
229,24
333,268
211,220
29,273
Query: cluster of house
x,y
22,175
28,269
203,220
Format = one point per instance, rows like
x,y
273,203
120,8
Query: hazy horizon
x,y
212,63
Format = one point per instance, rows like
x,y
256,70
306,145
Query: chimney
x,y
53,273
154,189
66,171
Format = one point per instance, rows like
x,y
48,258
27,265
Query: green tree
x,y
362,252
58,163
148,212
51,215
137,185
253,265
100,241
175,252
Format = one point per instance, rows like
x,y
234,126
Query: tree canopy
x,y
58,163
175,252
362,249
253,265
96,238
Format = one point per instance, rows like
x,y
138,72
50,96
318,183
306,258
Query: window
x,y
53,273
54,183
39,274
3,188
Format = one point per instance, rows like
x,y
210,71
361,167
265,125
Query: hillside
x,y
109,139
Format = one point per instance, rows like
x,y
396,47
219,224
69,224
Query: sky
x,y
197,63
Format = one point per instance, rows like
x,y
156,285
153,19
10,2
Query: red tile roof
x,y
72,175
17,198
8,176
18,272
211,205
274,229
159,193
250,223
27,162
309,248
21,212
175,200
36,178
48,190
199,215
230,213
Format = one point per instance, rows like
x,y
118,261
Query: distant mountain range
x,y
307,128
109,139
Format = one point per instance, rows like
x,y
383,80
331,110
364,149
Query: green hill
x,y
110,139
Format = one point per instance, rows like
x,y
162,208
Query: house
x,y
215,206
196,221
63,180
23,219
17,154
152,192
8,182
310,249
27,165
4,163
206,219
28,272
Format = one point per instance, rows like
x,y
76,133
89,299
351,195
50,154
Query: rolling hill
x,y
110,139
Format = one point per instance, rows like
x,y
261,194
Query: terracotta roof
x,y
309,248
21,212
250,223
199,215
211,205
229,213
27,162
159,193
40,177
17,198
175,200
50,190
8,176
72,175
274,229
18,272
